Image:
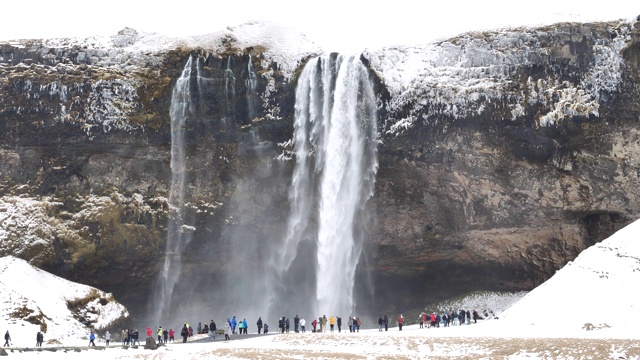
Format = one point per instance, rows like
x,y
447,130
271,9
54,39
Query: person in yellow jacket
x,y
332,322
160,334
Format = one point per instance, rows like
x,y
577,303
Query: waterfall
x,y
335,135
179,231
348,174
229,91
250,83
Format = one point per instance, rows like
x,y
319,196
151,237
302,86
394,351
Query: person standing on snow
x,y
400,322
39,339
212,329
227,331
386,322
332,323
184,333
107,337
259,324
7,338
92,337
339,323
240,328
303,324
233,324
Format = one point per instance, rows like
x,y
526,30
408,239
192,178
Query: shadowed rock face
x,y
464,200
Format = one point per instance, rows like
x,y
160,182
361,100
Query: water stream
x,y
179,230
335,139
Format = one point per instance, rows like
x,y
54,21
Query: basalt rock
x,y
492,174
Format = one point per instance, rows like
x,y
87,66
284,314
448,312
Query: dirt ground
x,y
397,348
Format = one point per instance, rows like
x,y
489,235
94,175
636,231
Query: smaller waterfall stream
x,y
229,92
179,231
250,83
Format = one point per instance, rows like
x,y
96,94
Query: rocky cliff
x,y
503,154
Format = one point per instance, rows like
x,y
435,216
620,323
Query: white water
x,y
346,185
335,150
179,233
251,82
229,90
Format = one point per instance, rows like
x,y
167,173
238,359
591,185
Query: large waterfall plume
x,y
335,135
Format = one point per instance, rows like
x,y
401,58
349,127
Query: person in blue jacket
x,y
92,337
244,325
233,324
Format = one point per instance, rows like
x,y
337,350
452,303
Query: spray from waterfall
x,y
179,231
335,135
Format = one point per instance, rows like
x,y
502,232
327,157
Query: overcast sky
x,y
336,25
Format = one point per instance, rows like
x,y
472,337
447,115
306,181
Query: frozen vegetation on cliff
x,y
29,226
96,82
461,77
458,78
26,227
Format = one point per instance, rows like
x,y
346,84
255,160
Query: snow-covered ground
x,y
587,310
33,300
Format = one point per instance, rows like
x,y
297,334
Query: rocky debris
x,y
150,343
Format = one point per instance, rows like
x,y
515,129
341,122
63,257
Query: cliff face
x,y
502,155
521,150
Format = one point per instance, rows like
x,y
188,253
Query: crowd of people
x,y
450,318
321,324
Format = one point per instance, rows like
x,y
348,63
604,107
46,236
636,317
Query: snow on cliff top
x,y
29,295
283,45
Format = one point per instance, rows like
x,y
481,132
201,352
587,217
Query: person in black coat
x,y
7,338
212,328
185,333
259,323
39,339
386,322
296,323
339,323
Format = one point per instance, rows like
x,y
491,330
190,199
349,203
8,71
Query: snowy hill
x,y
34,300
594,292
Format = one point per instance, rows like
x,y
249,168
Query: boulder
x,y
150,344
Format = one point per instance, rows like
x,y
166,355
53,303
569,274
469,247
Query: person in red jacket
x,y
171,335
149,331
314,323
400,322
